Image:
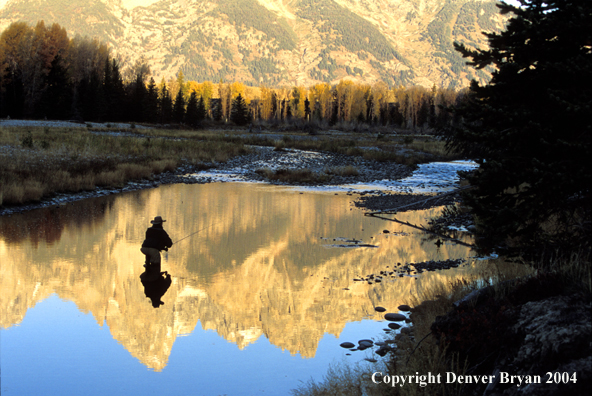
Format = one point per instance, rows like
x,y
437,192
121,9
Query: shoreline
x,y
381,185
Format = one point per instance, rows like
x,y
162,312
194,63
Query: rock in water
x,y
347,345
382,351
380,309
394,317
404,308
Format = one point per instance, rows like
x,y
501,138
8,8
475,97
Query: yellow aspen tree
x,y
299,96
237,88
359,103
225,93
380,99
322,97
344,90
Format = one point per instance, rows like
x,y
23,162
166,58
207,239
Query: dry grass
x,y
386,148
345,171
291,176
37,162
343,380
575,272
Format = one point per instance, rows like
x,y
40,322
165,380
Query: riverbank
x,y
48,163
527,333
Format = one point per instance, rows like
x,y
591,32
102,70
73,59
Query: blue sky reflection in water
x,y
258,302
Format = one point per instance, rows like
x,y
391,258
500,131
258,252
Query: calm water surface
x,y
262,294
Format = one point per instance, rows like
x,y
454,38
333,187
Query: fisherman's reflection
x,y
156,283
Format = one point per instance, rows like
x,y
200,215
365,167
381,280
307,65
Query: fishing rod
x,y
193,233
166,251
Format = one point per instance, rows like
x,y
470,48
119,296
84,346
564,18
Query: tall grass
x,y
37,162
345,171
342,380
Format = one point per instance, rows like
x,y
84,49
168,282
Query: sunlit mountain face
x,y
249,263
281,42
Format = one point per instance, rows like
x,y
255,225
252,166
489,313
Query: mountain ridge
x,y
282,42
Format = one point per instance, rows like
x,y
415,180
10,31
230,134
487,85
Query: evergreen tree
x,y
239,113
92,98
307,109
191,116
183,85
57,96
114,91
151,102
13,43
179,108
274,105
165,104
201,109
216,105
423,114
137,100
530,127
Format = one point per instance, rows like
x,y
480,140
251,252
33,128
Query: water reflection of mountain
x,y
257,267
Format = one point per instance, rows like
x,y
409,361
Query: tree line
x,y
46,74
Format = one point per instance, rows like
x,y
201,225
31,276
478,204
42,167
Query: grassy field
x,y
36,162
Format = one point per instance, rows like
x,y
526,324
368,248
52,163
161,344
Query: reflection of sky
x,y
200,362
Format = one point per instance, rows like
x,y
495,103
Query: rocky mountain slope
x,y
281,42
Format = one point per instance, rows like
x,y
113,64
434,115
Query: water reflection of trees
x,y
47,224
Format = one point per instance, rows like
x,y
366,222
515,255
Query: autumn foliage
x,y
46,74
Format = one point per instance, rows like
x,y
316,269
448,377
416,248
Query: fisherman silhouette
x,y
155,283
156,240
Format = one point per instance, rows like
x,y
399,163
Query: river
x,y
261,294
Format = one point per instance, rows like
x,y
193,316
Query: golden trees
x,y
321,99
39,64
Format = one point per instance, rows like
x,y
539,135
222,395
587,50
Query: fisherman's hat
x,y
157,220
